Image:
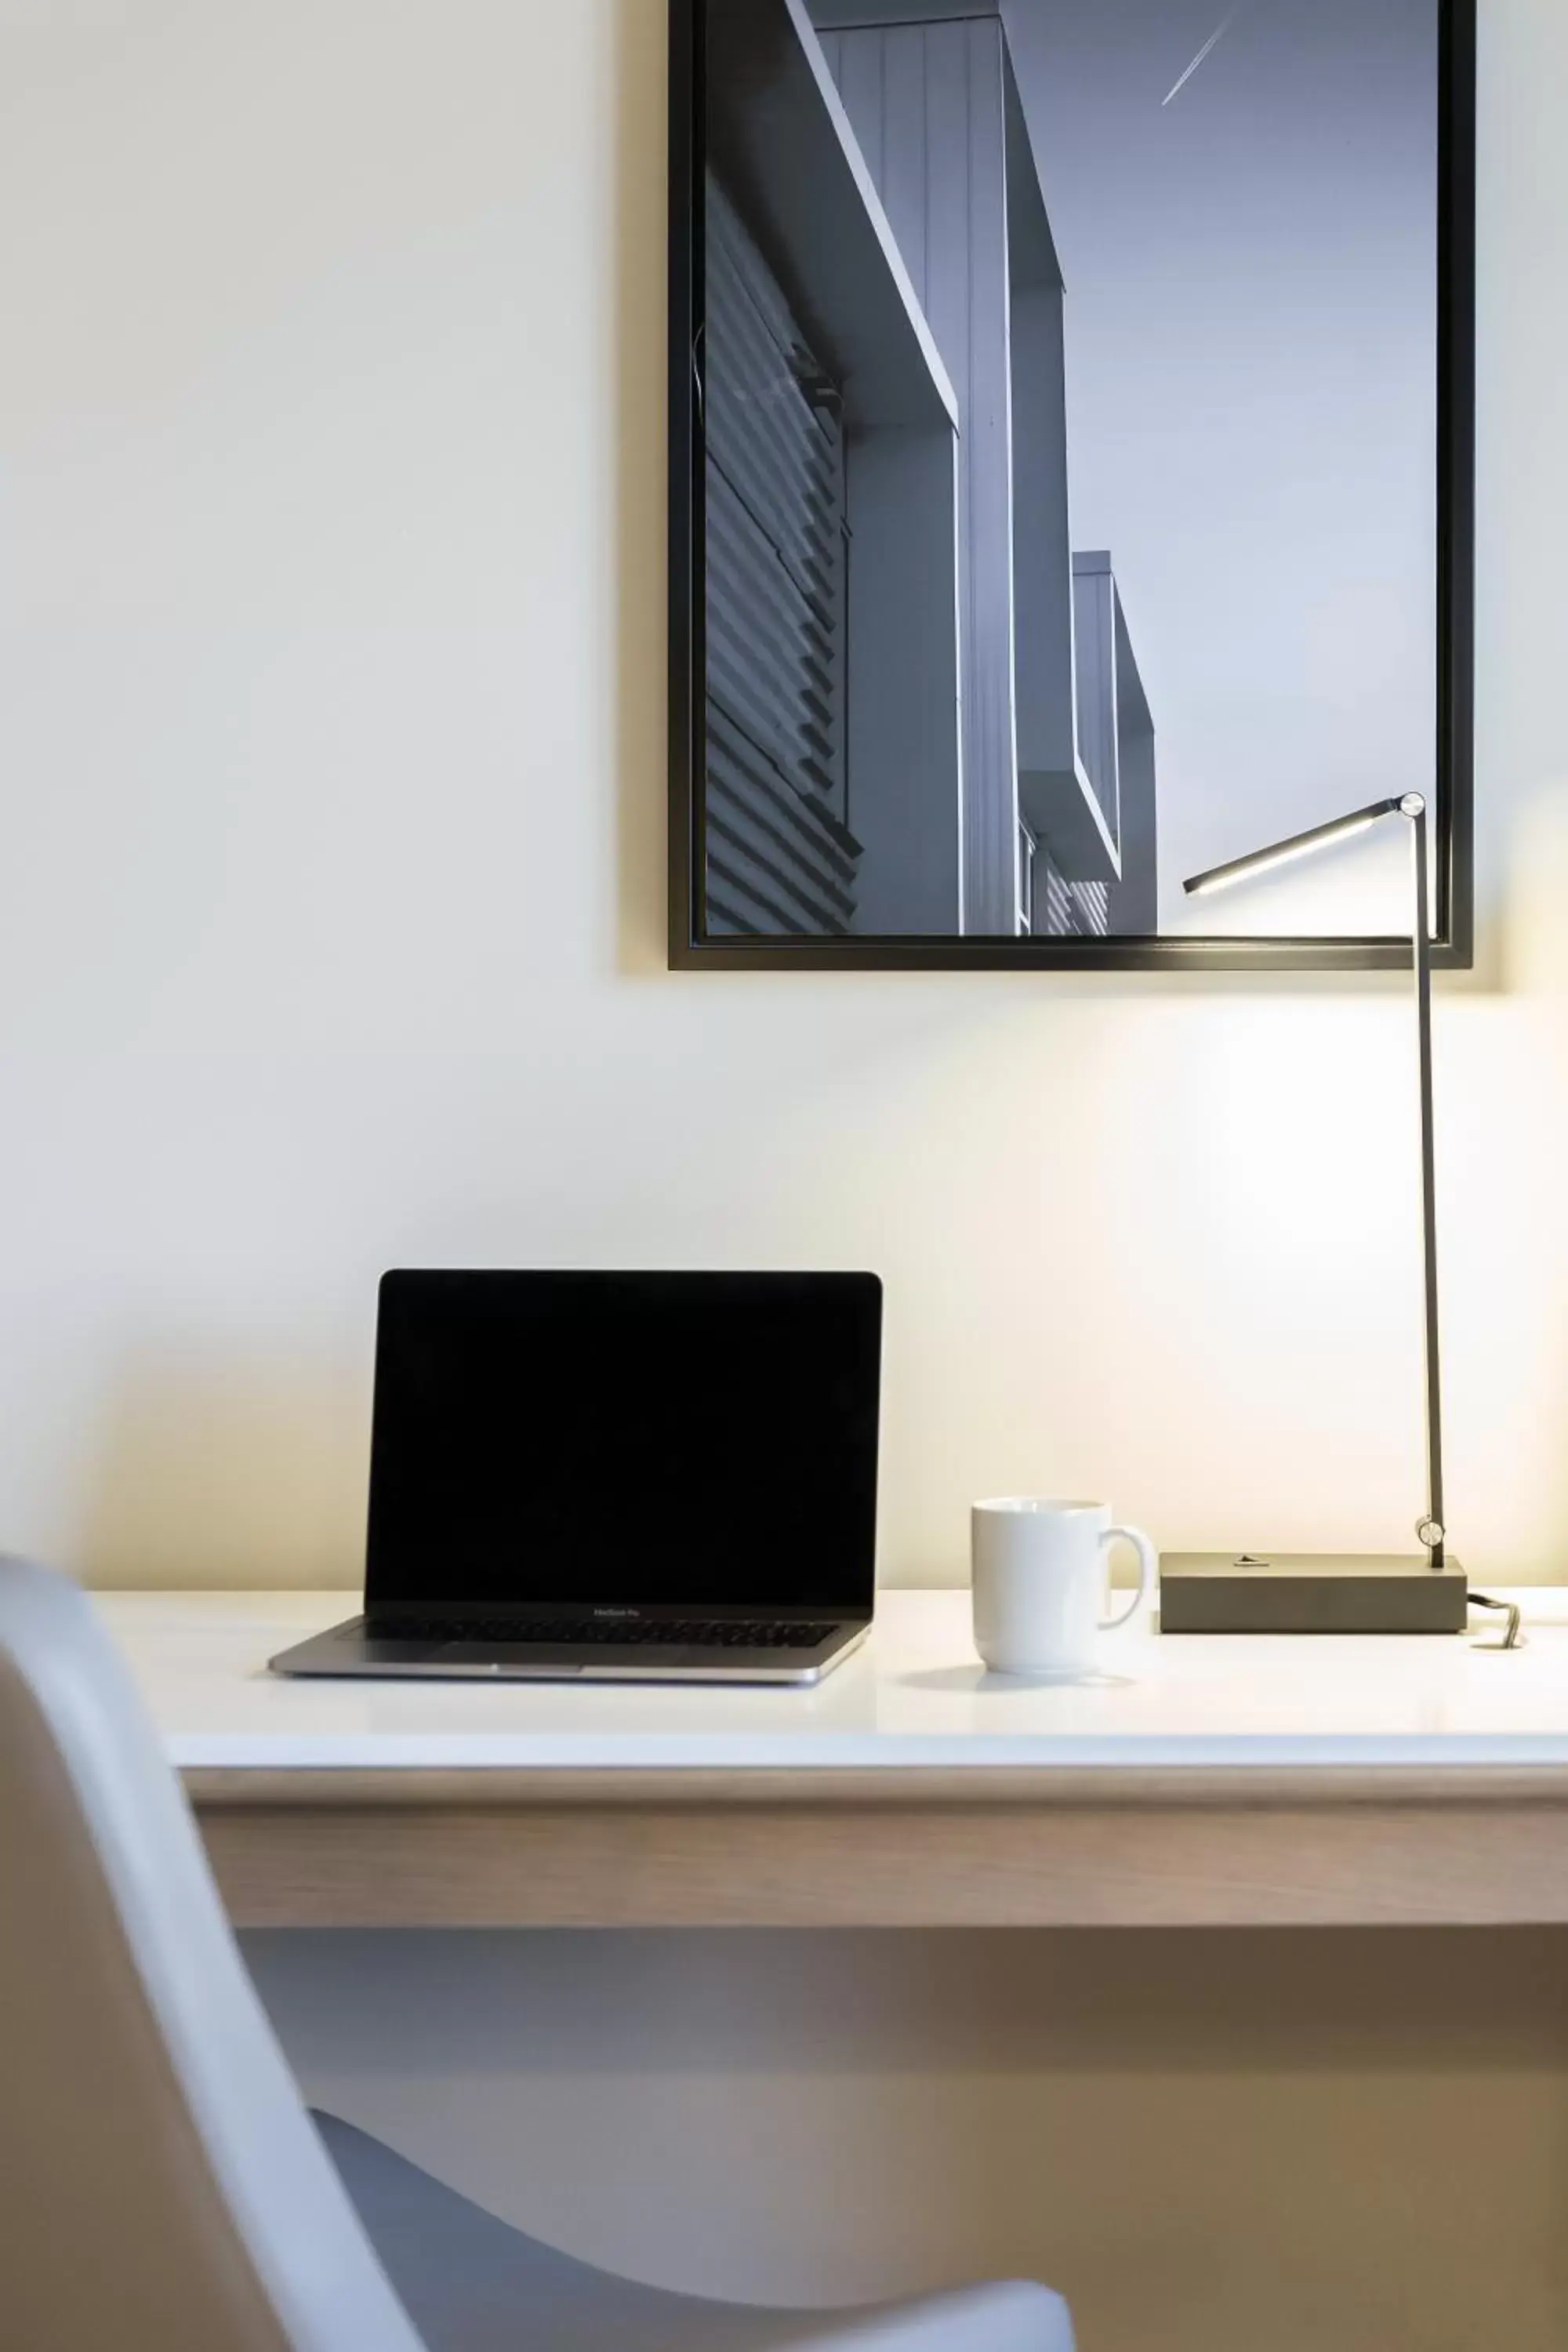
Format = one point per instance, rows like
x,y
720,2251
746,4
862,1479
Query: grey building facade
x,y
925,713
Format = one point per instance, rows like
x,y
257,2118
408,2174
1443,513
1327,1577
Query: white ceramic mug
x,y
1041,1583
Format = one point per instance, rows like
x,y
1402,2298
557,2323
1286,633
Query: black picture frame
x,y
1454,816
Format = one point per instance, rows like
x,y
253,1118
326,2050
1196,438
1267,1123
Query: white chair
x,y
165,2188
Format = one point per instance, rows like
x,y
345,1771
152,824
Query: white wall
x,y
330,651
331,898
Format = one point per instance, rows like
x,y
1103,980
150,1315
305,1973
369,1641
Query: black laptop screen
x,y
633,1439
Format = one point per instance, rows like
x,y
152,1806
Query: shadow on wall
x,y
813,2116
224,1470
638,333
1535,974
1534,957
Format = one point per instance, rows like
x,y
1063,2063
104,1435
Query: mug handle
x,y
1148,1571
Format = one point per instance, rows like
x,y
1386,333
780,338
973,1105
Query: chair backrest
x,y
161,2183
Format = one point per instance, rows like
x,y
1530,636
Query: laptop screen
x,y
625,1439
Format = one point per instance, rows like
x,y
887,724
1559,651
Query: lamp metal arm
x,y
1430,1528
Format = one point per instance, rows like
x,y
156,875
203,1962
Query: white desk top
x,y
913,1697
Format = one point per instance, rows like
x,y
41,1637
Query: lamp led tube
x,y
1285,853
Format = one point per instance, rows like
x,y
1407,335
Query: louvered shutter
x,y
1064,910
781,857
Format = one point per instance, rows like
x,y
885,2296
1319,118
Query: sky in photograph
x,y
1244,200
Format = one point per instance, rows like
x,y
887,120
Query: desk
x,y
1212,1782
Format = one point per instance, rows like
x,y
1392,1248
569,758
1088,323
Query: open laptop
x,y
618,1476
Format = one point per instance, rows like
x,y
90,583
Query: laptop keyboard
x,y
686,1632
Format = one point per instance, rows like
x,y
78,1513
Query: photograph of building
x,y
1020,556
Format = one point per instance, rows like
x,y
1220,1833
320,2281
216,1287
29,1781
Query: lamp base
x,y
1310,1592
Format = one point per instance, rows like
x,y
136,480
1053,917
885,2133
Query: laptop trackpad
x,y
508,1658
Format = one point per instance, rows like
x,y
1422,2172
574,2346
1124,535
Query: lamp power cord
x,y
1512,1635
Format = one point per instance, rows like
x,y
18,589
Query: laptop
x,y
617,1477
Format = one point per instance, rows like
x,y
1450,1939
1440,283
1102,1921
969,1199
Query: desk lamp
x,y
1222,1593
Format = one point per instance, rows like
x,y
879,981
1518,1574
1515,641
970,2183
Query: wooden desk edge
x,y
481,1789
1335,1846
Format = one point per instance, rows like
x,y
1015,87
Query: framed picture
x,y
1071,436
